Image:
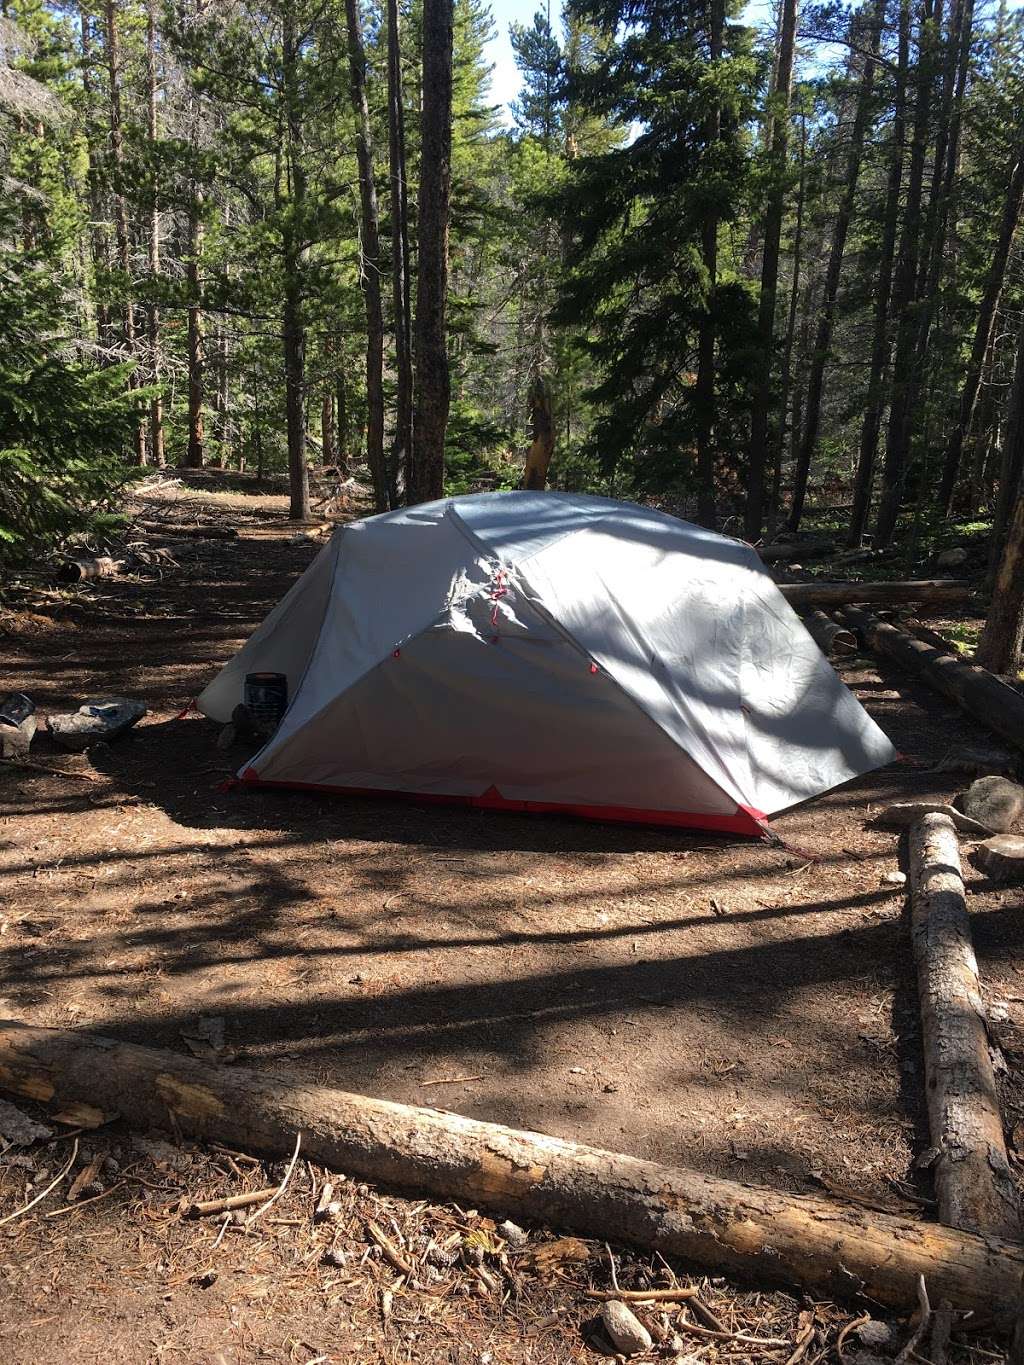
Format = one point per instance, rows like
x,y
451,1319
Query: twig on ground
x,y
685,1325
611,1262
391,1252
677,1295
844,1334
52,1186
281,1188
47,768
81,1203
451,1080
910,1350
698,1306
232,1201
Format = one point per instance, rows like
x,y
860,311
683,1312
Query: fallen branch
x,y
972,1174
677,1295
980,693
927,591
205,1207
833,1249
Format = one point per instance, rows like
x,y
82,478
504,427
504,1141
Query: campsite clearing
x,y
750,1011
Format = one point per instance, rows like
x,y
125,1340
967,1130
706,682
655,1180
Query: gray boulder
x,y
993,801
95,721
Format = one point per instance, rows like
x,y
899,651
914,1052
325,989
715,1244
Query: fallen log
x,y
787,551
830,637
79,569
200,531
972,1175
980,693
744,1230
927,591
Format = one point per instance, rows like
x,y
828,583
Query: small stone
x,y
952,559
17,1129
1002,857
334,1256
874,1334
625,1330
513,1234
894,879
995,802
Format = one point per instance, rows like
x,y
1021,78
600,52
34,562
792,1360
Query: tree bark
x,y
195,452
100,260
983,331
120,209
704,387
401,450
874,404
897,444
840,231
930,592
786,379
984,696
542,443
433,381
830,637
1001,641
370,265
830,1248
293,312
972,1175
760,421
156,403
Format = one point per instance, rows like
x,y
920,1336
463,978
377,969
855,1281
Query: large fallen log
x,y
981,694
927,591
972,1175
830,637
744,1230
84,567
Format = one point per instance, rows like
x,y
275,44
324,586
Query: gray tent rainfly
x,y
552,652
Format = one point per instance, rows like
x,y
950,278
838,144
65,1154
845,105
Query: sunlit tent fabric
x,y
547,651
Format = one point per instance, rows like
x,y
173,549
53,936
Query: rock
x,y
15,739
1002,857
625,1330
894,879
952,559
903,814
95,721
970,758
513,1234
17,1129
877,1335
993,801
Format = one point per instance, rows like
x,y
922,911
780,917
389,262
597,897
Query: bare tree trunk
x,y
401,450
156,404
999,648
844,216
195,451
120,209
897,446
874,403
293,316
983,330
371,263
760,421
100,261
433,381
786,379
542,444
704,388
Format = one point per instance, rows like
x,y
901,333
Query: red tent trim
x,y
747,820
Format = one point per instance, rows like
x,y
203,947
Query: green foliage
x,y
64,422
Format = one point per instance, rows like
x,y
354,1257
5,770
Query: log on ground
x,y
972,1175
928,592
830,637
743,1230
981,694
80,569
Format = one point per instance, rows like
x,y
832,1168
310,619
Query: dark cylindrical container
x,y
266,696
15,707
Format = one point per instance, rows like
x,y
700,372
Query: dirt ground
x,y
740,1008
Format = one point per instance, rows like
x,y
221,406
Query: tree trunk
x,y
156,403
983,330
100,261
874,404
329,449
829,1248
897,446
124,259
760,421
786,379
542,444
401,450
704,387
195,451
937,592
826,320
433,381
1000,645
370,265
293,312
984,696
972,1175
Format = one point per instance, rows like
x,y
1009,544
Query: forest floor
x,y
747,1010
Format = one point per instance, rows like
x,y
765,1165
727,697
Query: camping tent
x,y
545,651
